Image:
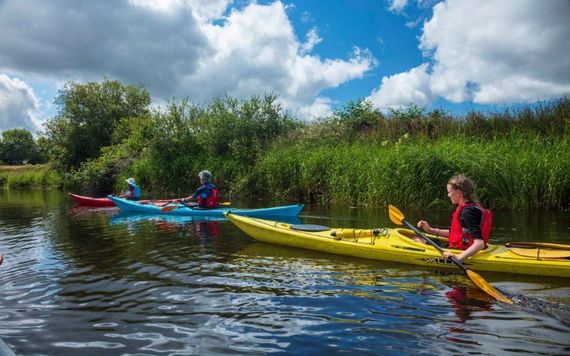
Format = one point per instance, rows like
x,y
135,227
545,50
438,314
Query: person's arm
x,y
478,245
424,225
127,194
194,196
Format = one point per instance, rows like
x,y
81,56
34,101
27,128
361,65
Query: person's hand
x,y
447,255
422,224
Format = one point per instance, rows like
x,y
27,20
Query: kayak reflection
x,y
125,217
202,227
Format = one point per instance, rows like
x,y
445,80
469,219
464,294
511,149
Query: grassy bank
x,y
359,155
30,177
513,172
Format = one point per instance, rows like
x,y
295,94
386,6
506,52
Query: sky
x,y
316,55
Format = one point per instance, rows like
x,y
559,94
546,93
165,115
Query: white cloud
x,y
18,105
312,40
321,107
403,88
268,58
203,9
176,48
493,52
397,5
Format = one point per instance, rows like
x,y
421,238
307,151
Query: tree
x,y
17,146
88,116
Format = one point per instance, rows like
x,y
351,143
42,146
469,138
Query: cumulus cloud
x,y
88,41
204,10
404,88
321,107
176,48
18,105
491,52
268,58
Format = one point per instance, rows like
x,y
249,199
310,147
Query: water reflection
x,y
202,227
88,281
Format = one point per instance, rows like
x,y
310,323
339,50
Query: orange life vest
x,y
460,239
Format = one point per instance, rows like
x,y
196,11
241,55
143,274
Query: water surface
x,y
79,281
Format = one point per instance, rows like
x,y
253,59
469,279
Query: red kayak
x,y
89,201
106,202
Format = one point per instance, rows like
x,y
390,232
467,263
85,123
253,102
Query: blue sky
x,y
316,55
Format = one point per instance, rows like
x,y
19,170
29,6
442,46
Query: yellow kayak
x,y
396,245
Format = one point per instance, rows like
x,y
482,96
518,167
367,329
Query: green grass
x,y
29,177
510,173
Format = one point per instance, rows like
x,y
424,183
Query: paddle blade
x,y
395,214
166,209
487,287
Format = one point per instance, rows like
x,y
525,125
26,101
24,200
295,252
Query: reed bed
x,y
513,172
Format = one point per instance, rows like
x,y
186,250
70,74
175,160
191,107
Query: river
x,y
79,281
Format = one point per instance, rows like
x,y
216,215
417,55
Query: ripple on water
x,y
83,282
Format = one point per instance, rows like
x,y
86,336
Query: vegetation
x,y
29,177
88,117
17,146
511,172
106,132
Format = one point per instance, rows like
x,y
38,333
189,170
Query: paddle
x,y
397,218
172,207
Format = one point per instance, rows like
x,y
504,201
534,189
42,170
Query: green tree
x,y
242,129
88,116
17,146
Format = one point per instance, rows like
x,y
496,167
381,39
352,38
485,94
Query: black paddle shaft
x,y
452,258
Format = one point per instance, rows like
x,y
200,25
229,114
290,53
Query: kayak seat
x,y
309,227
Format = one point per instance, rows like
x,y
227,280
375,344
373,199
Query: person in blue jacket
x,y
207,194
133,192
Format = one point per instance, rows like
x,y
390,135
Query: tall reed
x,y
513,172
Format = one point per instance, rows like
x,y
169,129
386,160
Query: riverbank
x,y
358,156
512,173
40,176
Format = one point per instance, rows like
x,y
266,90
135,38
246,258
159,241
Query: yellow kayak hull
x,y
395,245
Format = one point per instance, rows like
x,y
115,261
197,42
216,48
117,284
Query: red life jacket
x,y
210,202
462,240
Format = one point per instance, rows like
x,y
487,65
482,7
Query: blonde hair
x,y
465,185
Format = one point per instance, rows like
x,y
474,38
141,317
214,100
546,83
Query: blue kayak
x,y
180,209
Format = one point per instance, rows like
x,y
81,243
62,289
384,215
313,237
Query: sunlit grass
x,y
29,177
510,172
